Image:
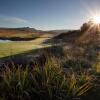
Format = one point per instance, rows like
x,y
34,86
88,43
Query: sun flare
x,y
96,19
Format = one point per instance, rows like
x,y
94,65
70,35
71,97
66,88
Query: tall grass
x,y
48,82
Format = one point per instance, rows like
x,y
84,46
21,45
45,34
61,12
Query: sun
x,y
96,19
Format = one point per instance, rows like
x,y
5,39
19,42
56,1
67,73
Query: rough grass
x,y
42,82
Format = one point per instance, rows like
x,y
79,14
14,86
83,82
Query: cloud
x,y
15,20
12,19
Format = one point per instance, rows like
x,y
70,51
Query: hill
x,y
66,37
24,33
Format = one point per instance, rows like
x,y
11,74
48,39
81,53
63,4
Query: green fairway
x,y
13,48
8,49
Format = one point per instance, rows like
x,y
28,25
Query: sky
x,y
47,14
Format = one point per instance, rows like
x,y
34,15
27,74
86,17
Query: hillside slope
x,y
24,33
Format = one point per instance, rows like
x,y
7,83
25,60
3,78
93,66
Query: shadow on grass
x,y
37,55
75,56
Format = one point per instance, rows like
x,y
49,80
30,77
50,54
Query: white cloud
x,y
13,19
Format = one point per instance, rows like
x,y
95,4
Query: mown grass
x,y
50,82
18,47
13,48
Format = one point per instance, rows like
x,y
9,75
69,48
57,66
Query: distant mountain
x,y
30,30
22,29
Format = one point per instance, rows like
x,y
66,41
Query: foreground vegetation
x,y
50,81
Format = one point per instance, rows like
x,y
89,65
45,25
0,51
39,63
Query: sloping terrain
x,y
19,34
67,37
